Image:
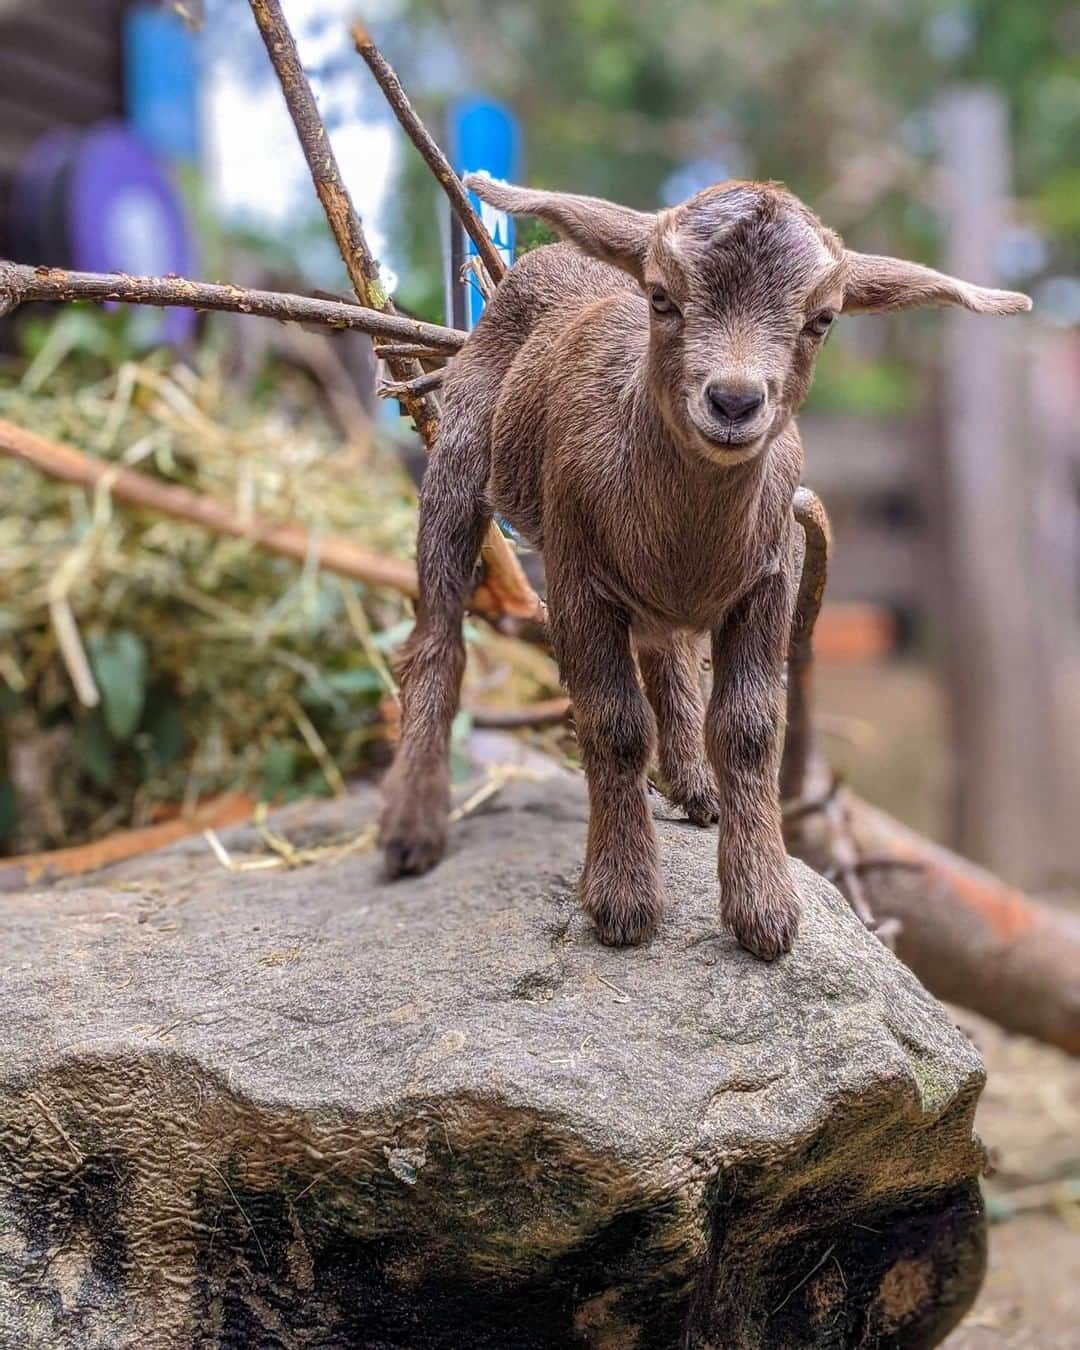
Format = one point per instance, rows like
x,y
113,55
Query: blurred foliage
x,y
849,382
646,103
218,666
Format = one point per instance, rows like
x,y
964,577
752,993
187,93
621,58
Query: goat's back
x,y
500,385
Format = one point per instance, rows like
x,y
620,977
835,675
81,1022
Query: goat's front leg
x,y
671,675
620,887
758,897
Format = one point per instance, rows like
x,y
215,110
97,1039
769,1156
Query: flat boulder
x,y
294,1105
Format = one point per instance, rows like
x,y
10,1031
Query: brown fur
x,y
590,408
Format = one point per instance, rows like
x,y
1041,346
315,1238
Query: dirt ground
x,y
1029,1118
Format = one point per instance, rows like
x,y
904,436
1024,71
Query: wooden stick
x,y
290,541
546,713
799,739
20,285
403,389
433,157
388,349
138,489
504,577
968,936
28,870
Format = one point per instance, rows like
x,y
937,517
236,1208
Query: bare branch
x,y
136,489
546,713
405,389
505,579
20,285
140,490
433,157
389,349
969,937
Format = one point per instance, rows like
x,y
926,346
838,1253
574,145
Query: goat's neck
x,y
714,493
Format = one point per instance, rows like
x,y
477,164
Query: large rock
x,y
303,1107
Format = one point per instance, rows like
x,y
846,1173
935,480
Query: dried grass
x,y
147,664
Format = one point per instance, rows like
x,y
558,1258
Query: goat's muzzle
x,y
732,417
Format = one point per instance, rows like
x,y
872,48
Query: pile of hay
x,y
217,666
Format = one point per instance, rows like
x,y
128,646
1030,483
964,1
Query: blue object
x,y
485,136
161,82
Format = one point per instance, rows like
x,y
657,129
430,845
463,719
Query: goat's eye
x,y
820,324
661,301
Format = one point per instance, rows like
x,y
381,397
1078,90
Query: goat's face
x,y
743,283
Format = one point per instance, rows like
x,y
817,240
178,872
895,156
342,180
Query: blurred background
x,y
153,138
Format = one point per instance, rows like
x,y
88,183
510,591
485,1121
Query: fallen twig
x,y
138,489
969,937
283,853
21,285
334,554
433,157
546,713
37,869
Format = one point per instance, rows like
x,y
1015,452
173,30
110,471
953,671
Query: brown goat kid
x,y
626,403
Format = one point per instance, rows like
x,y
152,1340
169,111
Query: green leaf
x,y
119,664
279,768
9,808
393,637
95,750
362,680
163,732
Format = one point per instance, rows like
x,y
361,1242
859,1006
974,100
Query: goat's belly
x,y
660,605
517,501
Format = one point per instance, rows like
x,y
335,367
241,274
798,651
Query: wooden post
x,y
999,680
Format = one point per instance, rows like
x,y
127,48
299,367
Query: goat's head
x,y
744,283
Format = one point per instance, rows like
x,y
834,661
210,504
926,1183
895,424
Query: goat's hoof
x,y
625,912
411,850
765,921
701,809
693,792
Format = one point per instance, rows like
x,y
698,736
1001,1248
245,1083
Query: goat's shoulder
x,y
549,286
560,273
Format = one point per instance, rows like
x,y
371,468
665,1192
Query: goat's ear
x,y
874,284
614,234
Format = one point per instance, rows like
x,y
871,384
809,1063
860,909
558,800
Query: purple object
x,y
37,218
123,215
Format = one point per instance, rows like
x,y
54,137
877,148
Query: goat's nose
x,y
734,403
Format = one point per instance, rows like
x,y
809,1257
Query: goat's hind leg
x,y
453,518
671,675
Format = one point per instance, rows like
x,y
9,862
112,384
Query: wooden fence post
x,y
1000,684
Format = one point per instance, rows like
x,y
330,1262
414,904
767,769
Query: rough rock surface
x,y
307,1108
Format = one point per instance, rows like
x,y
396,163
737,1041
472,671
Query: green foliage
x,y
119,664
868,387
835,97
8,808
218,666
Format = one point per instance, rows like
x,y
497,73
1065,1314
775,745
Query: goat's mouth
x,y
726,441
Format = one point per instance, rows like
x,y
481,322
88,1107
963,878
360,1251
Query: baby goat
x,y
626,403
